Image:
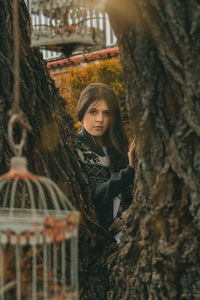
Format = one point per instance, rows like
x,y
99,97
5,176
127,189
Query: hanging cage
x,y
38,235
64,25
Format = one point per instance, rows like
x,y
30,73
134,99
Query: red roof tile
x,y
86,57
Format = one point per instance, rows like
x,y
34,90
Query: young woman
x,y
105,160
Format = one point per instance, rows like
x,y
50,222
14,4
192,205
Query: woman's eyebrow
x,y
93,108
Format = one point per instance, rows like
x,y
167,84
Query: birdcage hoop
x,y
47,227
17,148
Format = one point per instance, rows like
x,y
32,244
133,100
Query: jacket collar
x,y
86,138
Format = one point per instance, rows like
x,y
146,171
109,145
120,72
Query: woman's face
x,y
97,118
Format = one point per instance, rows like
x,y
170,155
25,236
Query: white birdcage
x,y
62,26
38,235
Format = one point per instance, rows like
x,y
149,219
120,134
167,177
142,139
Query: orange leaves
x,y
75,79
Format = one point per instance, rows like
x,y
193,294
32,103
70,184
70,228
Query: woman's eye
x,y
92,112
106,113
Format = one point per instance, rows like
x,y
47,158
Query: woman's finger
x,y
132,145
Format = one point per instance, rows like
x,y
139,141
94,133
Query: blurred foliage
x,y
74,79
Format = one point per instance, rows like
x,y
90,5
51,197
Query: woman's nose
x,y
100,117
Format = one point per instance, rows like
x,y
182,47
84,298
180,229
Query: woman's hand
x,y
131,154
116,226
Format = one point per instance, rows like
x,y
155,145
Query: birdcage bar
x,y
12,192
63,265
55,267
74,262
45,272
1,270
6,193
34,270
18,271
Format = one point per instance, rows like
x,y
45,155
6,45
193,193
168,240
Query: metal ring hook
x,y
17,148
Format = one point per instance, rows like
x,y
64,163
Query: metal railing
x,y
95,19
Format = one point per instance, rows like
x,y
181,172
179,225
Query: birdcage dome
x,y
20,188
64,26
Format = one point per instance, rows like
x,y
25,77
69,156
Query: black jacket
x,y
103,183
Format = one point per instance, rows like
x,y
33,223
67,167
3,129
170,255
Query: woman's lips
x,y
98,127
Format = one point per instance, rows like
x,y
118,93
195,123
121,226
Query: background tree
x,y
49,148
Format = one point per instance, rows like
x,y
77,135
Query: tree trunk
x,y
159,44
49,148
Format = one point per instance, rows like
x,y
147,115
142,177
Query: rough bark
x,y
159,45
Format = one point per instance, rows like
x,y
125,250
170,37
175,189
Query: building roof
x,y
83,58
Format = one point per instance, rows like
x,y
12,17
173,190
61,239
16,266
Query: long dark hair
x,y
116,139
